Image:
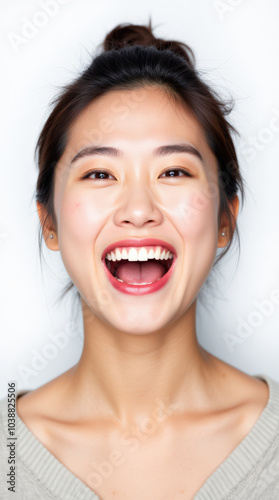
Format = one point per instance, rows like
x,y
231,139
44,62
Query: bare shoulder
x,y
39,406
246,394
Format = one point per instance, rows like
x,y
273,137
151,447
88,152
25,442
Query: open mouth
x,y
139,266
139,272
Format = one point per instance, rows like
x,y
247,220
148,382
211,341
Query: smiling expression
x,y
153,178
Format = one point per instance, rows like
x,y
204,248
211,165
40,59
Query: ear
x,y
51,243
224,227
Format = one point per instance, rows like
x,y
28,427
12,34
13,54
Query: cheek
x,y
81,218
196,215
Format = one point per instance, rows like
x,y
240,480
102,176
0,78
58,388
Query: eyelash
x,y
184,171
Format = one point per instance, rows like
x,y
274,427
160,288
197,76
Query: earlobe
x,y
49,233
224,236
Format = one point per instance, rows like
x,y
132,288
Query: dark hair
x,y
133,57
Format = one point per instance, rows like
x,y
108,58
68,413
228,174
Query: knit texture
x,y
250,471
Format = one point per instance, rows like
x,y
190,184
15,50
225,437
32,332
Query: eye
x,y
101,173
175,172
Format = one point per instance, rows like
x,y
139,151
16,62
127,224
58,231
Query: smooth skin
x,y
142,374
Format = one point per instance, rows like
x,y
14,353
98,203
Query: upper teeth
x,y
139,253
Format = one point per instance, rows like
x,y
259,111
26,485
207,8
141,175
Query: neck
x,y
132,376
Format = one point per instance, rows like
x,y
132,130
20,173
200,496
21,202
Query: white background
x,y
236,46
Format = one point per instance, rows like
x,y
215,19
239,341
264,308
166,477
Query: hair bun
x,y
135,34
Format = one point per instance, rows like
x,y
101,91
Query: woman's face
x,y
138,194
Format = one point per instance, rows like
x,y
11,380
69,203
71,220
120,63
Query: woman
x,y
137,189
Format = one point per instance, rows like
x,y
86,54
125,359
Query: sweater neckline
x,y
62,483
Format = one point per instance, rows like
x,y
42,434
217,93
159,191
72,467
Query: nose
x,y
138,208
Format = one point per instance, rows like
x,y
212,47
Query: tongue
x,y
140,272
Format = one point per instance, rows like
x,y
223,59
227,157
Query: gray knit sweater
x,y
251,471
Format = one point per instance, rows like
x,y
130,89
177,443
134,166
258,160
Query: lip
x,y
139,289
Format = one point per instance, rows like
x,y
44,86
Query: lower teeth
x,y
138,283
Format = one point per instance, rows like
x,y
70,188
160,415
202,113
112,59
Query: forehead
x,y
135,120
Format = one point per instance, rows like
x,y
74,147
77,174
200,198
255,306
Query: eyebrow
x,y
117,153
